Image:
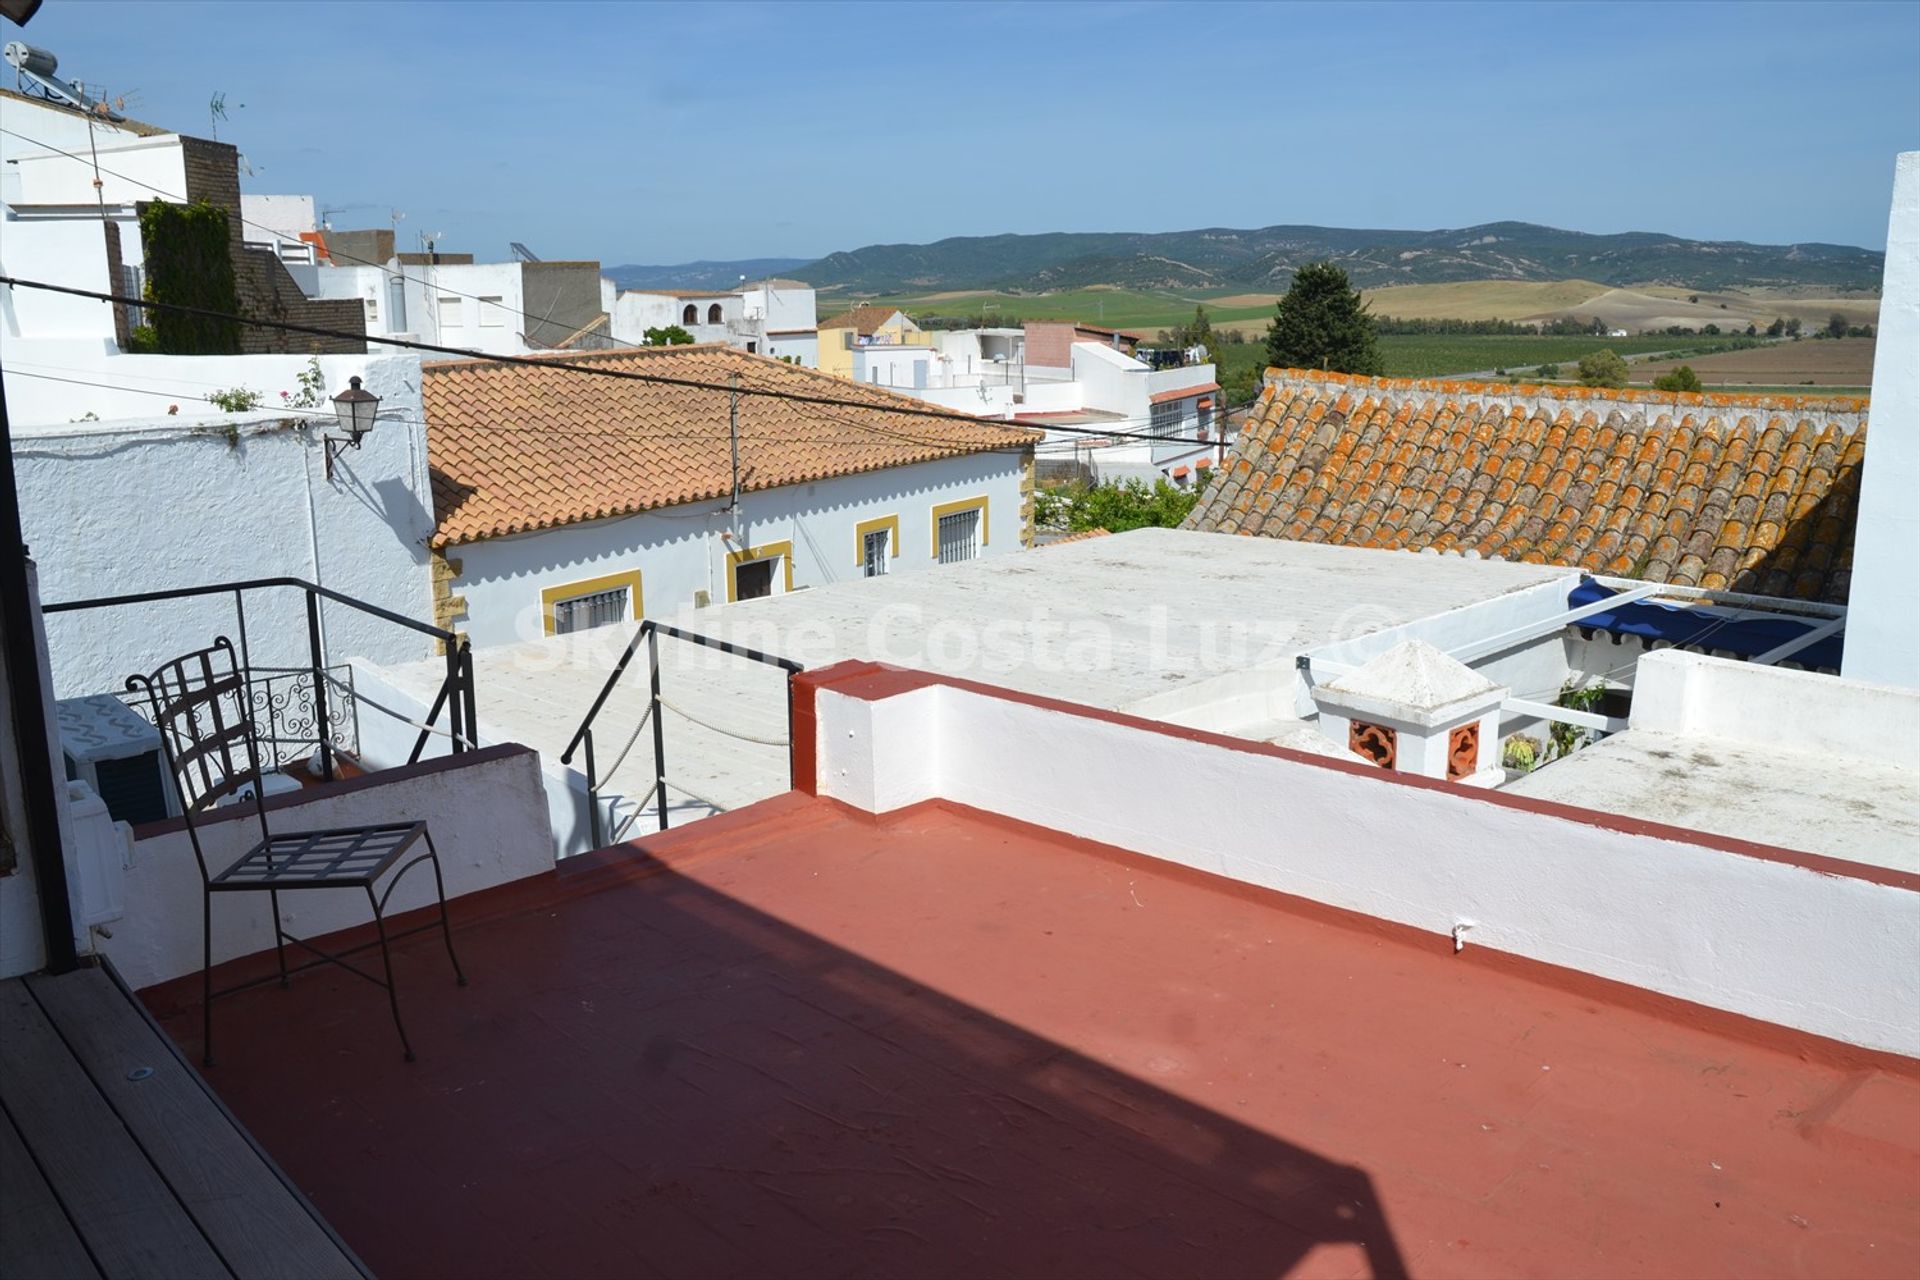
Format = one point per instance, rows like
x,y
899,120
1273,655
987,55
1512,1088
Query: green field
x,y
1435,355
1144,313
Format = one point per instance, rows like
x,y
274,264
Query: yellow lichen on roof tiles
x,y
1710,489
519,447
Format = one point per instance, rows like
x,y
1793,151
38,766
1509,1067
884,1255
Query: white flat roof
x,y
1855,809
1171,624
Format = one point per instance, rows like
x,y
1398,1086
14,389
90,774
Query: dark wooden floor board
x,y
259,1227
36,1240
132,1223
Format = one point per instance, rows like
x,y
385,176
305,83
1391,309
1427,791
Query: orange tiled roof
x,y
517,447
1746,493
864,321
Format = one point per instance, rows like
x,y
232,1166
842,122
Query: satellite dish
x,y
37,68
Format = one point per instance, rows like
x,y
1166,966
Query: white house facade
x,y
781,540
567,501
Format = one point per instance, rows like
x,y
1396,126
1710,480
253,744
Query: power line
x,y
542,362
423,282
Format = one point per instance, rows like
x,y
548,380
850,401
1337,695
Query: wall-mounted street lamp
x,y
356,410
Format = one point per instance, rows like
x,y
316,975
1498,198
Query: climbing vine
x,y
189,264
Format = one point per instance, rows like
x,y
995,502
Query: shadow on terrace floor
x,y
648,1076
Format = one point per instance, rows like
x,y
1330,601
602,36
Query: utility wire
x,y
542,362
423,282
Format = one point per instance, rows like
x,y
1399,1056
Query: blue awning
x,y
1680,625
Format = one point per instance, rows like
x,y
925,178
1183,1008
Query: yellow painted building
x,y
841,335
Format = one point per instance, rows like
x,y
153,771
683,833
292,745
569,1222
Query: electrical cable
x,y
542,362
331,252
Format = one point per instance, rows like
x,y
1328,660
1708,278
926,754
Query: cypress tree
x,y
1323,324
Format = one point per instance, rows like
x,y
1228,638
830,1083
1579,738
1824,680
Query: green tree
x,y
1777,328
1836,325
1547,372
671,336
1681,379
1130,504
1603,369
1793,326
1196,332
1323,324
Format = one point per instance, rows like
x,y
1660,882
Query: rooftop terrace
x,y
803,1041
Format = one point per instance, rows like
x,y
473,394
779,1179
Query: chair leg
x,y
206,979
279,937
386,959
446,926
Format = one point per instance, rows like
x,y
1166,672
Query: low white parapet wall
x,y
485,810
1797,940
1800,711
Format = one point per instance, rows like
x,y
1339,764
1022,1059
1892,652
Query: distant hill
x,y
1223,258
700,275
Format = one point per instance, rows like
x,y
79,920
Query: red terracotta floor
x,y
790,1042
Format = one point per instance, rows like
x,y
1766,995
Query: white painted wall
x,y
901,368
117,508
279,217
66,252
50,226
1883,614
680,550
1828,954
488,819
466,322
1775,708
1113,381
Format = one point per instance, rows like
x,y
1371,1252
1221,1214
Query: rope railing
x,y
684,714
649,632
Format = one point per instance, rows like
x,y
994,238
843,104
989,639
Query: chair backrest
x,y
200,703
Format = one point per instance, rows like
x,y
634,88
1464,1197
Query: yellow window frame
x,y
860,531
551,597
954,508
765,551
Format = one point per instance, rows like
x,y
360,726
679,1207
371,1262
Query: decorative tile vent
x,y
1415,709
1463,752
1376,742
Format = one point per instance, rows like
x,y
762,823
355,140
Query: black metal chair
x,y
200,703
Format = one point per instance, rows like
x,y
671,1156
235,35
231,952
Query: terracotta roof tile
x,y
1754,493
517,447
865,321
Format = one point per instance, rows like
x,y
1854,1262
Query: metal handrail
x,y
456,693
650,632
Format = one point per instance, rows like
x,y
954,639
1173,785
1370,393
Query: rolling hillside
x,y
700,275
1222,258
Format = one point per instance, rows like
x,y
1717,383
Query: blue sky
x,y
663,133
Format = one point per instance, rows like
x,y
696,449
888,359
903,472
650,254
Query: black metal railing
x,y
316,705
650,632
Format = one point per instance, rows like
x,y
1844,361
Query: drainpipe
x,y
40,800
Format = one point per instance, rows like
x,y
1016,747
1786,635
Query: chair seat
x,y
344,857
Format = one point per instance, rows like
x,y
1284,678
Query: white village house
x,y
766,317
566,501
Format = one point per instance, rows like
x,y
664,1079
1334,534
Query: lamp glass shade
x,y
356,409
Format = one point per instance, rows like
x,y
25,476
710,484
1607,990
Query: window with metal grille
x,y
873,548
960,536
1165,419
600,609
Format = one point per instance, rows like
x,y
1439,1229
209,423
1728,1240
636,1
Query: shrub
x,y
1603,368
236,399
1681,379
